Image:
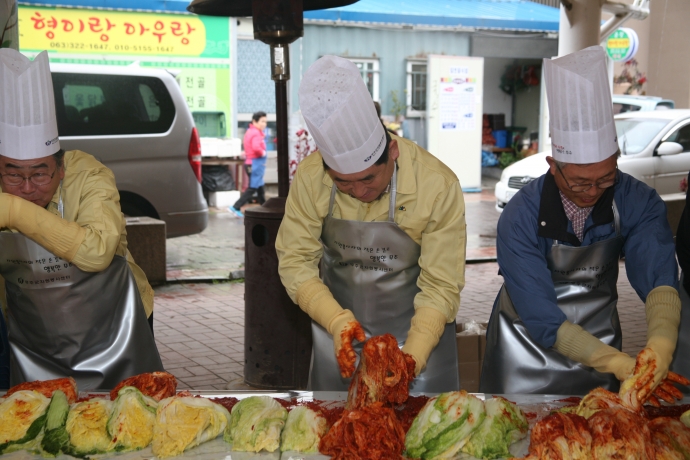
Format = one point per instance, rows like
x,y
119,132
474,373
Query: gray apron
x,y
372,269
66,322
585,282
681,357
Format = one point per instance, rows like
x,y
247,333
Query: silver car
x,y
655,148
135,120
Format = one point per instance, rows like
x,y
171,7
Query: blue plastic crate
x,y
502,138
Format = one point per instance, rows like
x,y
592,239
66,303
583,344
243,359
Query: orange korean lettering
x,y
95,24
176,28
39,21
67,25
142,28
129,28
52,22
159,26
190,29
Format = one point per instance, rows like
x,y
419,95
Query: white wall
x,y
527,109
495,100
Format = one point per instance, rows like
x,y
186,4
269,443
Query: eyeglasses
x,y
39,179
579,188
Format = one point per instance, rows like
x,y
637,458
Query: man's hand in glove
x,y
317,301
662,309
579,345
426,329
345,329
640,386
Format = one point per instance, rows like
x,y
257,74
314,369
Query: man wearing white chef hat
x,y
554,327
76,301
386,221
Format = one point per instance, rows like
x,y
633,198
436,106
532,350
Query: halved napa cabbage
x,y
185,422
87,427
303,430
255,424
130,425
504,424
22,418
55,439
444,425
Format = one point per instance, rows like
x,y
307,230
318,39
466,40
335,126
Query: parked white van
x,y
135,121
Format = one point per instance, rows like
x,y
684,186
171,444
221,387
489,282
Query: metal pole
x,y
580,26
578,29
282,127
280,73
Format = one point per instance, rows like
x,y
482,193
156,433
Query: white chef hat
x,y
341,116
28,127
580,107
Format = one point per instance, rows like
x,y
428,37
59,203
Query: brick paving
x,y
199,326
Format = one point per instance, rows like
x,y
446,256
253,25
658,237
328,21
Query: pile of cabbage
x,y
261,423
457,422
50,427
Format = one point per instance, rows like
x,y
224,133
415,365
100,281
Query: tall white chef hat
x,y
580,107
28,127
341,116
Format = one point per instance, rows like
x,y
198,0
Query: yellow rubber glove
x,y
345,329
662,309
316,300
426,329
579,345
54,233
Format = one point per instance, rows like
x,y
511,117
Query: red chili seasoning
x,y
228,403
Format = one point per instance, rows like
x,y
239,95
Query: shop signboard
x,y
622,44
82,31
197,49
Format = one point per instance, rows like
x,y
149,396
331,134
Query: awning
x,y
158,6
515,15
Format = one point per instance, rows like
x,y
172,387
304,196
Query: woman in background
x,y
254,162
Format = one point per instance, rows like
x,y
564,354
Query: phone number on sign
x,y
79,46
105,46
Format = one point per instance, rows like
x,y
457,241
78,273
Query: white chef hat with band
x,y
28,127
580,107
341,116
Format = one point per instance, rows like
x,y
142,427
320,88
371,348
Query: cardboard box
x,y
223,199
471,347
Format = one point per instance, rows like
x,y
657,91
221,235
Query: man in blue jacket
x,y
554,327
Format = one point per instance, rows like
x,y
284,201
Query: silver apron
x,y
372,269
585,282
681,357
66,322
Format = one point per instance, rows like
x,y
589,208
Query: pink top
x,y
254,145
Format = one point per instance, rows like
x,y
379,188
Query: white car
x,y
631,103
655,148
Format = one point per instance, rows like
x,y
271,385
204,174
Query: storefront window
x,y
369,68
416,88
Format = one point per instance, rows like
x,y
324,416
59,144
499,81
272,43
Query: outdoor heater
x,y
277,333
